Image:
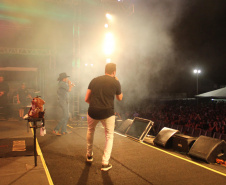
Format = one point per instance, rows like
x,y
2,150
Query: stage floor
x,y
133,162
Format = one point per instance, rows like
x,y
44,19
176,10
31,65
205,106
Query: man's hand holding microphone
x,y
70,83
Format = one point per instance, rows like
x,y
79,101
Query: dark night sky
x,y
197,29
200,34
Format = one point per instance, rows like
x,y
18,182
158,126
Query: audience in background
x,y
207,115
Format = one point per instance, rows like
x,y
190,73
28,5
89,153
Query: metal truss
x,y
25,51
123,6
69,2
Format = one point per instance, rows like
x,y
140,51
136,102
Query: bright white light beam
x,y
109,16
197,71
108,60
109,44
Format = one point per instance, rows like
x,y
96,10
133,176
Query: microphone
x,y
70,83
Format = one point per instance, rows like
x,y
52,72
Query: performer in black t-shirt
x,y
4,89
22,99
100,96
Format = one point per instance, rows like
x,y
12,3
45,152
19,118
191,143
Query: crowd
x,y
208,115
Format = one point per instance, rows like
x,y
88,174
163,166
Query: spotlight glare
x,y
106,25
109,16
108,60
109,44
197,71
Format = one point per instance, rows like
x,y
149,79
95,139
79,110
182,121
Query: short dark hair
x,y
110,68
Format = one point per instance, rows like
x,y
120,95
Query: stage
x,y
133,162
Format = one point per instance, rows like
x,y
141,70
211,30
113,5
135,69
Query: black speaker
x,y
139,128
124,126
118,122
164,137
208,149
182,143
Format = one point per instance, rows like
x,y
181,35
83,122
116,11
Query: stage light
x,y
91,65
106,25
109,16
108,60
86,65
109,44
197,71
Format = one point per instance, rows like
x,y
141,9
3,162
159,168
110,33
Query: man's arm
x,y
69,89
29,96
87,97
1,93
18,98
5,89
119,97
70,85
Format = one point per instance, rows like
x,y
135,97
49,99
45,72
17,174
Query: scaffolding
x,y
123,6
37,52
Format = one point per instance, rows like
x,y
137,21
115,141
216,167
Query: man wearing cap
x,y
64,86
100,96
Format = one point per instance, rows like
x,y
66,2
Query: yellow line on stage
x,y
182,158
70,126
43,160
76,127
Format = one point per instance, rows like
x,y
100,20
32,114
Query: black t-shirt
x,y
23,93
5,88
103,91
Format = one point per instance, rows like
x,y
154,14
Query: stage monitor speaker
x,y
123,127
118,122
182,143
164,137
208,149
139,128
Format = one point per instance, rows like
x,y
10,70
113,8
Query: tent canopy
x,y
219,93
